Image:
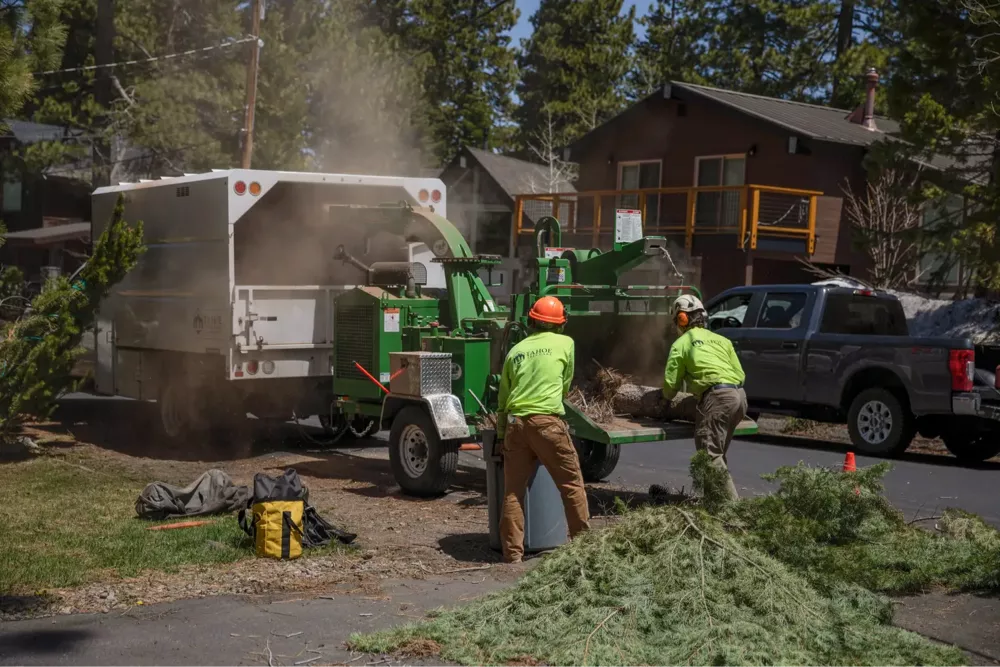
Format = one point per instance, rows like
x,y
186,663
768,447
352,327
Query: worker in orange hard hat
x,y
536,378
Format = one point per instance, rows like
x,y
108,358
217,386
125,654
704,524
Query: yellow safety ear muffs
x,y
682,319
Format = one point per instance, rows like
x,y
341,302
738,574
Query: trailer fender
x,y
445,411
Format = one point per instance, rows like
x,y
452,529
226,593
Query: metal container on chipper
x,y
544,518
420,373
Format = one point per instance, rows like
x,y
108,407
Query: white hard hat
x,y
688,303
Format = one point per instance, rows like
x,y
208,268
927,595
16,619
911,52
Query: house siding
x,y
677,131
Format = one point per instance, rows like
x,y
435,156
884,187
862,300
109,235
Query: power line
x,y
169,56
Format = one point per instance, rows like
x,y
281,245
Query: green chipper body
x,y
426,363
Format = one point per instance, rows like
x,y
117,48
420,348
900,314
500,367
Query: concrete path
x,y
232,631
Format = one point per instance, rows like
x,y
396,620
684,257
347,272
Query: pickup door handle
x,y
788,345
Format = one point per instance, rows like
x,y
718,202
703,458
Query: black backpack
x,y
316,531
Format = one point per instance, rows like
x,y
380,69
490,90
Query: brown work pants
x,y
530,439
719,413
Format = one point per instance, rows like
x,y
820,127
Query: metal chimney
x,y
871,83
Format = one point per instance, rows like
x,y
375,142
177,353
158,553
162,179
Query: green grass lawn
x,y
64,525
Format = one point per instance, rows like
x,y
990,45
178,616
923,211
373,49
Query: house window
x,y
719,210
640,175
936,266
493,235
11,192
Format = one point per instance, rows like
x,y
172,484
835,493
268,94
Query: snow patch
x,y
976,319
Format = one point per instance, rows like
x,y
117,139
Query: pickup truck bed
x,y
844,355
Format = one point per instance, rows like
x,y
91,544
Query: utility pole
x,y
252,67
104,39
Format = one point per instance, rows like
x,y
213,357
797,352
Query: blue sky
x,y
528,7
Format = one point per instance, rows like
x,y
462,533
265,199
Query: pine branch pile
x,y
608,393
775,580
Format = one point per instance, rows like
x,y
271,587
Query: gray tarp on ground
x,y
212,493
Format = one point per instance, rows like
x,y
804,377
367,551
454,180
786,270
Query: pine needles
x,y
790,578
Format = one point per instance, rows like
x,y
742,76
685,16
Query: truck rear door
x,y
284,317
771,347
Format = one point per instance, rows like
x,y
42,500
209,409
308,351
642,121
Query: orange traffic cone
x,y
850,465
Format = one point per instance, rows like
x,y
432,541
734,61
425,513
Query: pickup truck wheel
x,y
972,447
878,423
422,463
597,460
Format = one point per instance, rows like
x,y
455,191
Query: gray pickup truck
x,y
843,355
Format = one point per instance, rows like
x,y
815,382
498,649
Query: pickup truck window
x,y
729,313
863,315
782,310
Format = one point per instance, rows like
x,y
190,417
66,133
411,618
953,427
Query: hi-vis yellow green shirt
x,y
703,358
536,376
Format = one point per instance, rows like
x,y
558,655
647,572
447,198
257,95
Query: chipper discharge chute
x,y
427,363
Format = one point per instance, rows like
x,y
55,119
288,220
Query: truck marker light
x,y
254,188
423,195
436,196
267,367
240,187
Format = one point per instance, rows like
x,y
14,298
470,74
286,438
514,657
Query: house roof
x,y
53,234
515,176
813,121
809,120
29,132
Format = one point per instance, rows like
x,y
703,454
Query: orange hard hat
x,y
548,309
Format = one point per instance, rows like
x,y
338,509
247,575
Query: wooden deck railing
x,y
749,212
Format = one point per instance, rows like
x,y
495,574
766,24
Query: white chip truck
x,y
230,309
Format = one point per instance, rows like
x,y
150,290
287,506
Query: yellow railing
x,y
747,211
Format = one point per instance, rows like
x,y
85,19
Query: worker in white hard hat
x,y
707,362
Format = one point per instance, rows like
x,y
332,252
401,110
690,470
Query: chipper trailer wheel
x,y
422,463
597,460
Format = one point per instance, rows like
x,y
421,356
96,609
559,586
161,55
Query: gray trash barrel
x,y
544,518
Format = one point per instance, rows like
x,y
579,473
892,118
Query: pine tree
x,y
674,46
865,36
466,65
366,113
39,349
777,48
31,39
943,87
574,65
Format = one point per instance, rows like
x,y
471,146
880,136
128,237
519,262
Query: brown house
x,y
482,193
743,182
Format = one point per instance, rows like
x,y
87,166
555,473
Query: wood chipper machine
x,y
426,362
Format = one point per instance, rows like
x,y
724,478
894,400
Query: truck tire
x,y
879,424
422,463
972,447
597,460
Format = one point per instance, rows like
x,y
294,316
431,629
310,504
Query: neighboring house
x,y
482,187
46,214
686,136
